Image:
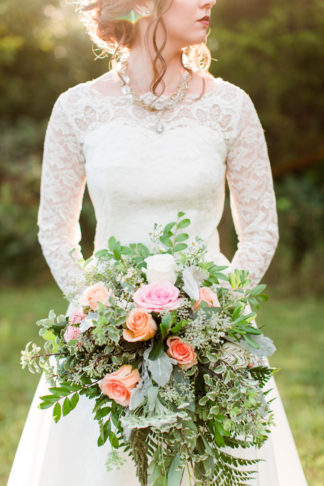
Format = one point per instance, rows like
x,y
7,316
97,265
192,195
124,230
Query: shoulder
x,y
229,91
237,99
107,84
222,91
81,105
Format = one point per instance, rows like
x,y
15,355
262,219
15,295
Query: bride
x,y
154,135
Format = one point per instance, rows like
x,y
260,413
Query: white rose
x,y
161,267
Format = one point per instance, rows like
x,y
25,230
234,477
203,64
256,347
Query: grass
x,y
294,325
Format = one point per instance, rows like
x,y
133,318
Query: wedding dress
x,y
136,177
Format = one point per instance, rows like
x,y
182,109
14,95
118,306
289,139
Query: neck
x,y
140,65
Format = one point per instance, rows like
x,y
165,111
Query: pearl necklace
x,y
157,105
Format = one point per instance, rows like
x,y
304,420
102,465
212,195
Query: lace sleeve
x,y
252,197
61,194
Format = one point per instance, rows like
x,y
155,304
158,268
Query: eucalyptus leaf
x,y
152,394
161,368
266,346
175,473
139,393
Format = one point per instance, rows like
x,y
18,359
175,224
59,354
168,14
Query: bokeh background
x,y
274,50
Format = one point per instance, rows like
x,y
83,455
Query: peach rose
x,y
141,326
94,294
182,352
118,385
157,296
206,295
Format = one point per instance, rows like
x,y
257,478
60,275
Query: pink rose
x,y
118,385
140,326
157,296
182,352
71,332
206,295
94,294
77,316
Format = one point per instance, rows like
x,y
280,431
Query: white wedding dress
x,y
136,177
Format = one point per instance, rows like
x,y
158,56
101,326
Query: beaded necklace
x,y
157,105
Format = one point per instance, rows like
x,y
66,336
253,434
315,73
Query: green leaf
x,y
237,311
219,439
251,342
168,227
156,351
60,391
59,326
258,289
102,412
70,386
112,243
104,432
116,251
45,405
66,406
174,476
180,214
51,337
183,223
115,418
101,253
181,237
165,324
166,241
50,398
180,247
57,412
252,330
175,329
113,439
74,400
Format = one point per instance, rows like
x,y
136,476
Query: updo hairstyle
x,y
115,36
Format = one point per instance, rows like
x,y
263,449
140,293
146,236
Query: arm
x,y
62,188
252,197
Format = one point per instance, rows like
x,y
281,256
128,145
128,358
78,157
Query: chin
x,y
197,39
193,42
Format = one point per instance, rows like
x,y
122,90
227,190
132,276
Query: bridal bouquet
x,y
166,347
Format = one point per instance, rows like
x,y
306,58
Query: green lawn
x,y
294,324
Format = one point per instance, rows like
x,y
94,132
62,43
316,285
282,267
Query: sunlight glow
x,y
131,17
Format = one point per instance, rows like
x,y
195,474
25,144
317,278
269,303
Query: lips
x,y
205,20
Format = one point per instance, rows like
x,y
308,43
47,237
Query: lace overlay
x,y
137,177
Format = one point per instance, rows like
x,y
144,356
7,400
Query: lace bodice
x,y
136,176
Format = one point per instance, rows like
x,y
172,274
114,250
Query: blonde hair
x,y
115,36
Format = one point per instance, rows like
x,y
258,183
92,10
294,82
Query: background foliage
x,y
272,49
